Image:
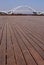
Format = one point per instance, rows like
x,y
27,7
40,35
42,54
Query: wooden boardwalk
x,y
21,40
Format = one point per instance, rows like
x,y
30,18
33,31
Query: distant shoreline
x,y
20,15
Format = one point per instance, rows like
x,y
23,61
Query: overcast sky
x,y
10,4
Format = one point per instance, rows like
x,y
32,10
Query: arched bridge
x,y
22,9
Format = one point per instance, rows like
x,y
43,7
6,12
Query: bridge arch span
x,y
30,8
17,9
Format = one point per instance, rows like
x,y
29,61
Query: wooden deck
x,y
21,40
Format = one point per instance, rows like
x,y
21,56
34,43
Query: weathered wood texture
x,y
21,40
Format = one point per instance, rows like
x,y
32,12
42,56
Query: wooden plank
x,y
2,48
35,38
20,42
1,32
35,44
9,49
17,51
24,50
37,57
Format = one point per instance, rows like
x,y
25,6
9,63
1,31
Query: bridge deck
x,y
21,40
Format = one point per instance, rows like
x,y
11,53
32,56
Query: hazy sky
x,y
8,4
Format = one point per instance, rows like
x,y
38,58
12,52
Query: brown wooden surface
x,y
21,40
